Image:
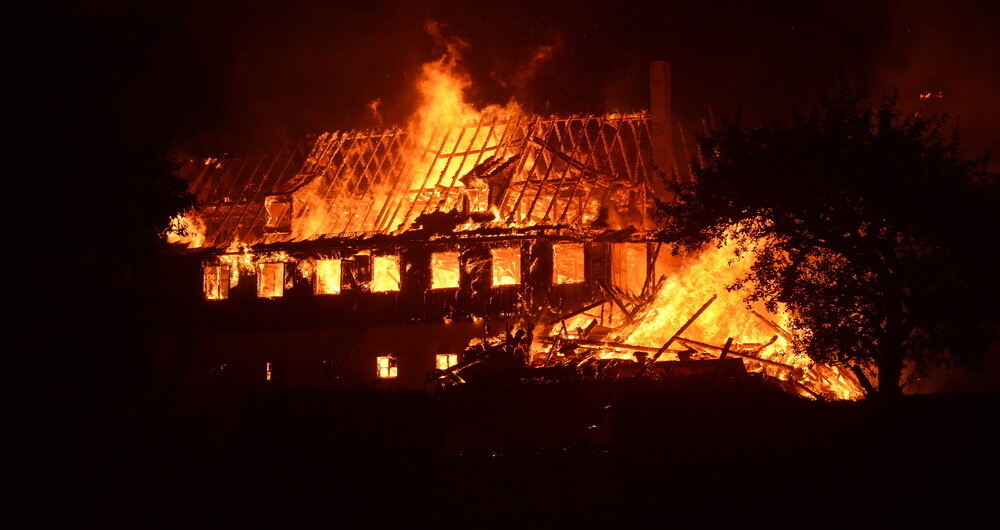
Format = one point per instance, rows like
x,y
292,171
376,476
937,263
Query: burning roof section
x,y
504,172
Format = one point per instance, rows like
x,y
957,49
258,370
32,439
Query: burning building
x,y
470,241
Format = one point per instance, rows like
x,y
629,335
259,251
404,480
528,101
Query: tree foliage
x,y
867,223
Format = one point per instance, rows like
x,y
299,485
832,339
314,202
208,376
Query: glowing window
x,y
567,263
273,371
444,270
506,266
628,266
216,282
221,370
385,274
278,213
327,276
445,361
270,280
387,368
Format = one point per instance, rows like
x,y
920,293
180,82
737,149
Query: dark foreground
x,y
521,456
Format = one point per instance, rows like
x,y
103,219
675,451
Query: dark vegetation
x,y
870,224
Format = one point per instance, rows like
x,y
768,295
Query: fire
x,y
567,263
385,274
216,282
373,106
270,280
444,270
693,293
327,276
697,279
506,266
240,260
442,119
186,229
443,122
382,181
510,168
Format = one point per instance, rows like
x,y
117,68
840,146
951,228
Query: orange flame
x,y
385,274
443,122
688,283
506,266
696,279
327,276
186,229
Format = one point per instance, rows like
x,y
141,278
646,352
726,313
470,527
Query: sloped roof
x,y
526,171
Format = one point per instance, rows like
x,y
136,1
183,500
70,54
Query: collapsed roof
x,y
575,172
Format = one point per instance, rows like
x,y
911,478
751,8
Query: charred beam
x,y
614,298
609,344
576,164
737,353
773,325
725,349
760,348
684,327
583,309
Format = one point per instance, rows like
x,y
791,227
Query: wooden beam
x,y
725,349
587,307
684,327
807,389
608,344
773,325
614,298
758,349
737,353
642,368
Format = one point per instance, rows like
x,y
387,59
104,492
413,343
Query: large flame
x,y
761,337
440,122
693,281
443,122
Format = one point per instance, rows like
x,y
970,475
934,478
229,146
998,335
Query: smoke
x,y
452,45
219,80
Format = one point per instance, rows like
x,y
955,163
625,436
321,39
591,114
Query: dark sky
x,y
205,77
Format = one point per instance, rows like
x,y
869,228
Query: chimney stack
x,y
661,126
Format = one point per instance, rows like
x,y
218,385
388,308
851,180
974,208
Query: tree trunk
x,y
890,369
890,361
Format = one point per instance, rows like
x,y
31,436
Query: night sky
x,y
207,77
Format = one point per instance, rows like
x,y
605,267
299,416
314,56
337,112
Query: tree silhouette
x,y
91,192
867,223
